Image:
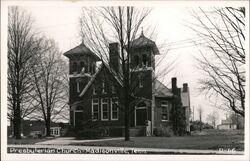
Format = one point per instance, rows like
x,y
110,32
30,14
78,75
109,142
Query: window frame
x,y
111,108
74,67
166,107
94,90
137,61
92,109
104,103
113,91
141,84
104,87
144,60
78,86
82,66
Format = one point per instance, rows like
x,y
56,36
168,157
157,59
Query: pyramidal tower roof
x,y
79,50
143,41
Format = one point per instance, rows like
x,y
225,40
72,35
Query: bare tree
x,y
102,25
212,118
200,112
22,47
223,60
50,83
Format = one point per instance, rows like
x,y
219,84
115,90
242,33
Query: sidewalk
x,y
71,140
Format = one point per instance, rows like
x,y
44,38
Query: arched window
x,y
90,68
140,77
86,68
144,60
93,67
136,58
82,68
74,67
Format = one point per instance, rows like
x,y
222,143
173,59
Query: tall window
x,y
104,114
114,109
93,67
104,87
86,68
136,57
74,67
94,90
165,111
82,67
78,86
90,68
144,60
113,89
95,109
140,81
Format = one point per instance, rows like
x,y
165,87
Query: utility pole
x,y
193,113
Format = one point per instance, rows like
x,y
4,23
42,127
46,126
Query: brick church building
x,y
94,91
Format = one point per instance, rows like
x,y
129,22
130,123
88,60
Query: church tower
x,y
142,67
82,66
142,56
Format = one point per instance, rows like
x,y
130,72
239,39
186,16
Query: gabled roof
x,y
161,90
81,50
95,75
143,41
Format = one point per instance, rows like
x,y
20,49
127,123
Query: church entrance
x,y
141,114
78,117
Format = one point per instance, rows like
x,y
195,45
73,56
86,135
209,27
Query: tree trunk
x,y
47,124
17,122
127,119
127,134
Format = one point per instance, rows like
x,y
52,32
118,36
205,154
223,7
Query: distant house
x,y
36,128
227,125
94,92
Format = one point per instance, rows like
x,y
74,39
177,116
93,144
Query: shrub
x,y
90,133
70,131
163,131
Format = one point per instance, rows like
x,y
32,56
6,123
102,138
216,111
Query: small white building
x,y
227,125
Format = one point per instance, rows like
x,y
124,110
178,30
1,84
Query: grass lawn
x,y
183,142
25,140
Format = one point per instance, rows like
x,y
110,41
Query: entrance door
x,y
141,117
78,118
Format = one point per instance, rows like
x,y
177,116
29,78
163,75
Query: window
x,y
104,87
78,86
54,131
140,81
165,111
82,68
114,109
95,109
136,57
113,89
90,68
93,67
94,90
144,60
104,114
74,67
86,68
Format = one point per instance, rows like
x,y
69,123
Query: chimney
x,y
114,60
185,87
174,84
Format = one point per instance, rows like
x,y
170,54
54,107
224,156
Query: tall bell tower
x,y
82,66
142,56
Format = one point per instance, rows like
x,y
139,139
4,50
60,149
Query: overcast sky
x,y
61,24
